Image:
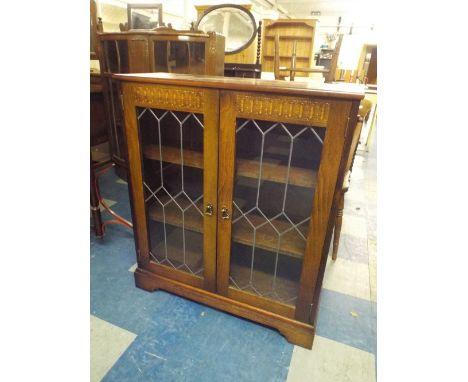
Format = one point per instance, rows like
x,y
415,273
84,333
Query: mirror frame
x,y
214,7
135,7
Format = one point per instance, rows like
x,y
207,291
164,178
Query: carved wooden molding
x,y
168,97
280,23
298,110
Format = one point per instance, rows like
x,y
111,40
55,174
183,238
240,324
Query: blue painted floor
x,y
142,336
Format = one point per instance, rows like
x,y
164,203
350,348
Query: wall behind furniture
x,y
181,13
114,12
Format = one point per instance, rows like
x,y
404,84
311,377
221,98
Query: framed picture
x,y
144,16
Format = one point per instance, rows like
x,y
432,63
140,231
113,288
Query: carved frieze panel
x,y
168,97
296,110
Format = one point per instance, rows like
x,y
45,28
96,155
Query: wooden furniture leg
x,y
338,221
292,73
95,211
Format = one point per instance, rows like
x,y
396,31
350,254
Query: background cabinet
x,y
325,57
163,50
367,65
300,30
232,186
98,126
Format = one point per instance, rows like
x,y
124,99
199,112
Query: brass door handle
x,y
224,213
209,209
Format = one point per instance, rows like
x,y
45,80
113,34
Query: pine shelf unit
x,y
289,30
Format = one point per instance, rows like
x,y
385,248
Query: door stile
x,y
210,186
322,205
227,150
135,178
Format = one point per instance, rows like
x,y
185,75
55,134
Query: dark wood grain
x,y
246,168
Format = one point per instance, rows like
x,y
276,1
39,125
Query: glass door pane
x,y
116,56
116,61
186,57
173,184
161,56
275,178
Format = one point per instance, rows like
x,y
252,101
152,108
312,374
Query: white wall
x,y
177,12
181,12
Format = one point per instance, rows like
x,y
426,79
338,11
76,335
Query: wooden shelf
x,y
242,231
175,253
297,57
241,274
172,155
245,168
193,221
304,70
307,38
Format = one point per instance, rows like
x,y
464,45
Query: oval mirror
x,y
234,22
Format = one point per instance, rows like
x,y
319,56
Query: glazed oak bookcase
x,y
232,186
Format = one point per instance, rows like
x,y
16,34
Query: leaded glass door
x,y
275,187
174,181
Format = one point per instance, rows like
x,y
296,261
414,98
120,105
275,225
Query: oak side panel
x,y
322,205
350,134
138,55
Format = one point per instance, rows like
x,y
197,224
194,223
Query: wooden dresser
x,y
160,50
289,30
232,185
98,125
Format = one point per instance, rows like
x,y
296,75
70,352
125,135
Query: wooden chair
x,y
329,74
364,109
94,198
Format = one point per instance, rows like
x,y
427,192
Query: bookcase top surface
x,y
164,32
333,90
